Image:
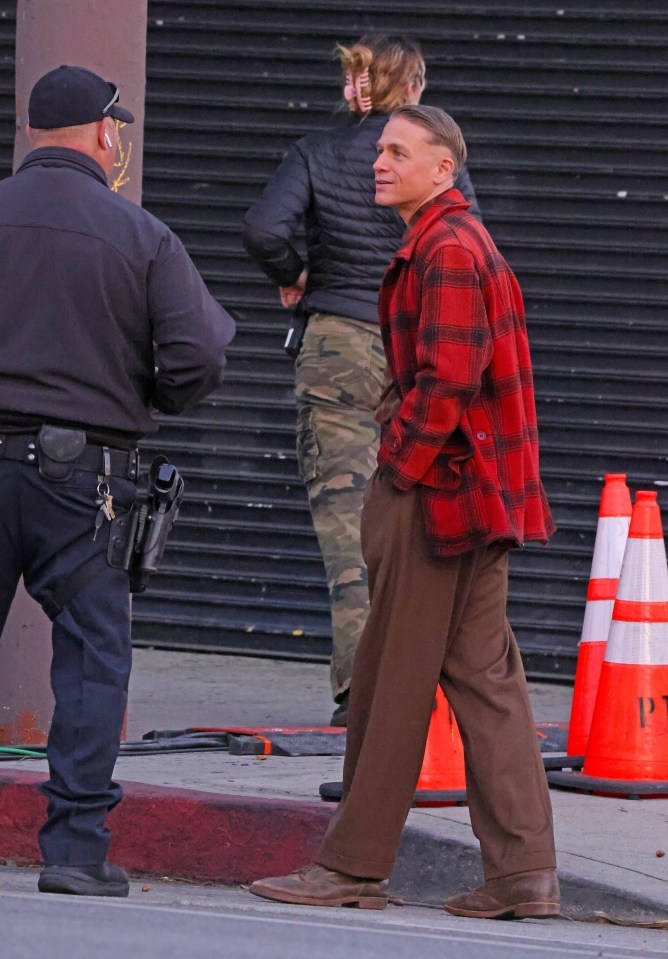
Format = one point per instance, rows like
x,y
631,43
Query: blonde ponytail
x,y
381,72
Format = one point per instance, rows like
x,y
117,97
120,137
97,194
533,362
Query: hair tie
x,y
353,91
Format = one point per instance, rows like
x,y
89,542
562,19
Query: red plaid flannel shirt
x,y
452,320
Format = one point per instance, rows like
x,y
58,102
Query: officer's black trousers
x,y
46,532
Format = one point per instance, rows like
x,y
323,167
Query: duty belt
x,y
23,447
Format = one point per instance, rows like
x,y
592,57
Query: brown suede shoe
x,y
520,896
316,886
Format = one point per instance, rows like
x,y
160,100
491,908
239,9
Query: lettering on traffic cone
x,y
442,777
614,516
627,752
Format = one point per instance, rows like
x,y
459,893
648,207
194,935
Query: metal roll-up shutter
x,y
564,111
570,159
7,97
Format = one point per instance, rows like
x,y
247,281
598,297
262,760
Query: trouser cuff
x,y
528,862
360,868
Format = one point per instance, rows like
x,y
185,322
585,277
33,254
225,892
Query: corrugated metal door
x,y
7,102
564,111
564,108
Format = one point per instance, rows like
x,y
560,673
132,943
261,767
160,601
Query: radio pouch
x,y
296,331
58,450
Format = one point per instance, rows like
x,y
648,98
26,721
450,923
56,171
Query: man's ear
x,y
445,170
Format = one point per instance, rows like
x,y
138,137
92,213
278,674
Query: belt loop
x,y
106,458
31,446
133,464
3,445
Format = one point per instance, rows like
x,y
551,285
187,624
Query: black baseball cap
x,y
72,96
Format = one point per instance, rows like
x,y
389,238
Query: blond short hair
x,y
442,129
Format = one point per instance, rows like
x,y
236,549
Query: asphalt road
x,y
174,921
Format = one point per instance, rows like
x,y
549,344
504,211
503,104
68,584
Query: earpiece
x,y
107,140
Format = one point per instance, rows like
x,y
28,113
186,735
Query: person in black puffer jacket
x,y
326,183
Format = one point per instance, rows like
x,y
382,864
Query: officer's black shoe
x,y
340,714
105,879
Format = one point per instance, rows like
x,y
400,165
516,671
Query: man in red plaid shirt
x,y
457,485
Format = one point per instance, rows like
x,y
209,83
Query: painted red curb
x,y
180,833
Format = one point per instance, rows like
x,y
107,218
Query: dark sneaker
x,y
105,879
340,714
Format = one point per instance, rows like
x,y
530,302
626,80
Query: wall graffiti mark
x,y
122,162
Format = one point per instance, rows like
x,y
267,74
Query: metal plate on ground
x,y
332,792
625,788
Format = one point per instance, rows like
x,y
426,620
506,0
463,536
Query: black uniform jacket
x,y
326,184
102,312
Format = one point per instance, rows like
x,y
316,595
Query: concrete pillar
x,y
26,700
110,39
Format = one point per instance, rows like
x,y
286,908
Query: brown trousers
x,y
436,621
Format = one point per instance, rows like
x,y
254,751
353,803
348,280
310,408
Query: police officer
x,y
104,319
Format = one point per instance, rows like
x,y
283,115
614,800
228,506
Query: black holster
x,y
137,539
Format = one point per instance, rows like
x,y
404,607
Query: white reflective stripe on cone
x,y
611,535
644,575
637,644
596,623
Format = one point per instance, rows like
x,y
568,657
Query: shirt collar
x,y
64,157
450,201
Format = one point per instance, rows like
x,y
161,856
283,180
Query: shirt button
x,y
481,435
394,444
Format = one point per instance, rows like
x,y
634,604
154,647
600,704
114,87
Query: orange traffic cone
x,y
627,752
614,516
442,779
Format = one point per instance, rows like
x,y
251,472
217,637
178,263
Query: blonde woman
x,y
326,183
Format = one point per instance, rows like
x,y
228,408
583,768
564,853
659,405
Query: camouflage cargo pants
x,y
339,378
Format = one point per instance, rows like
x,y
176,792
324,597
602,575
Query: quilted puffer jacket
x,y
326,182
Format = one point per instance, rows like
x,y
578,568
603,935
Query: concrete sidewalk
x,y
215,817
